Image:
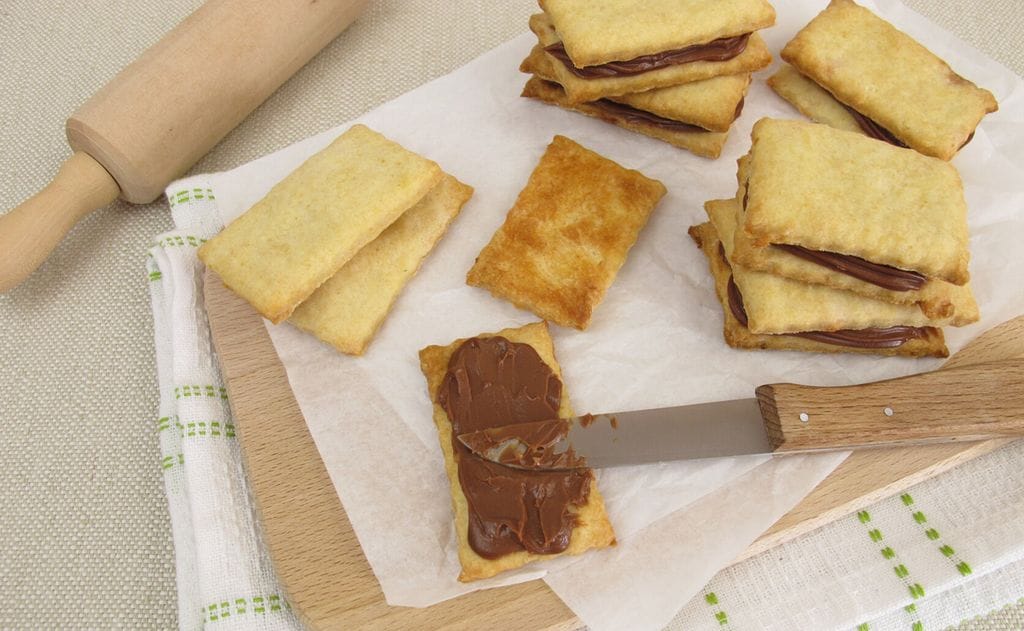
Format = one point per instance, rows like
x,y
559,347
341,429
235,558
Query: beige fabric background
x,y
84,533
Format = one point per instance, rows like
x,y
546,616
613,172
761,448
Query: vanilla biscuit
x,y
836,191
567,235
811,100
347,310
888,77
618,30
939,300
315,219
592,529
930,344
578,89
700,141
712,104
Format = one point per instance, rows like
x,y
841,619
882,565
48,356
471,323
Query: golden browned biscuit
x,y
592,529
890,78
939,300
567,235
836,191
578,89
712,104
811,100
932,344
701,142
619,30
315,219
348,309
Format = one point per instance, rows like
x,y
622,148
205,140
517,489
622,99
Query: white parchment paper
x,y
656,340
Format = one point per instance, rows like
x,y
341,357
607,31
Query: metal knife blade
x,y
704,430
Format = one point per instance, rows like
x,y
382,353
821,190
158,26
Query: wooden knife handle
x,y
29,232
969,403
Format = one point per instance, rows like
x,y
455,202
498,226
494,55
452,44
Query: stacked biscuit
x,y
836,242
332,245
853,70
675,70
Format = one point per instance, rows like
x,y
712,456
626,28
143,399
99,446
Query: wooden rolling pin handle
x,y
974,402
29,232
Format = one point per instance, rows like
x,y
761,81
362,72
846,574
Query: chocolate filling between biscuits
x,y
884,276
873,337
615,112
722,49
871,128
493,382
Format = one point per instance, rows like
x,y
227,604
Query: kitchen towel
x,y
223,572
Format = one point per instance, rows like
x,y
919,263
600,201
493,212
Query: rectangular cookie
x,y
315,219
567,235
939,300
887,76
930,343
591,528
834,191
754,57
712,104
347,310
811,100
700,141
617,30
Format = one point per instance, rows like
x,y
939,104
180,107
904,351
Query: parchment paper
x,y
656,340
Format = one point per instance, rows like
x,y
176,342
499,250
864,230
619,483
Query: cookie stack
x,y
836,242
676,70
333,244
853,70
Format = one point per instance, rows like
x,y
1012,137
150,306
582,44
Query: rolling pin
x,y
166,110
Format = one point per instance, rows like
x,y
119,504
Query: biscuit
x,y
712,104
347,310
811,100
315,219
592,530
567,234
736,335
940,301
619,30
776,304
887,76
836,191
754,57
701,142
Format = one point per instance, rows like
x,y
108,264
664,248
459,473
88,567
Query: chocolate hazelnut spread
x,y
541,444
873,129
884,276
629,114
721,49
876,337
492,382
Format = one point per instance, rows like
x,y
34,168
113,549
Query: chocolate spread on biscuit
x,y
721,49
875,337
541,444
492,382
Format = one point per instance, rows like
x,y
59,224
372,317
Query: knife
x,y
964,404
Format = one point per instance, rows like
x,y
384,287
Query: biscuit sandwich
x,y
890,86
605,48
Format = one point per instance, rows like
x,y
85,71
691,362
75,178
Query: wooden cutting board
x,y
319,562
